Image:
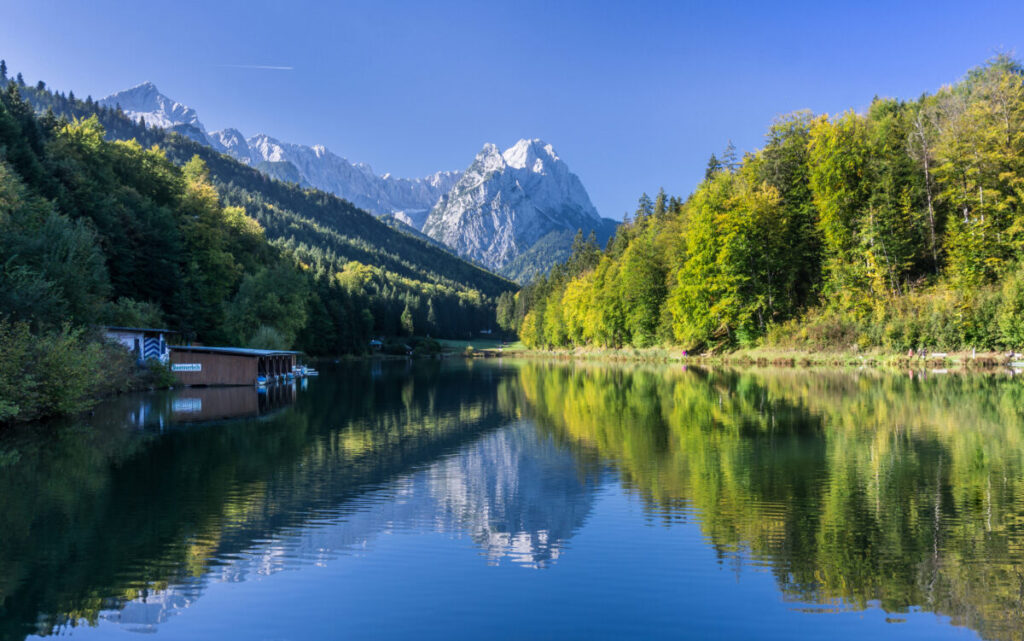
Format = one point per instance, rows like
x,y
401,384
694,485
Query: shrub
x,y
394,347
426,347
53,373
155,375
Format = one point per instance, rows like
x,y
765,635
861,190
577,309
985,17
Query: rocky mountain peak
x,y
530,154
507,201
146,101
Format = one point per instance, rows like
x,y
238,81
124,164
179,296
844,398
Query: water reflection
x,y
852,489
128,526
859,490
490,493
195,405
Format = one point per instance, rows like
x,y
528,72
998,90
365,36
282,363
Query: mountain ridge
x,y
318,166
492,213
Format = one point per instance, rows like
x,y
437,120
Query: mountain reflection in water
x,y
852,491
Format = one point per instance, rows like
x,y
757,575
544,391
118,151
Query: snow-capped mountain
x,y
356,182
513,211
507,201
231,142
146,101
409,199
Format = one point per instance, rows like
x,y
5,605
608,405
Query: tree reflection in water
x,y
852,489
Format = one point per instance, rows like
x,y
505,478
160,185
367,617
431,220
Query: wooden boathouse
x,y
201,365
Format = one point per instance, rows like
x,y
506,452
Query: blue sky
x,y
633,95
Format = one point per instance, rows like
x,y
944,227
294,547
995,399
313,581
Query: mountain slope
x,y
494,213
365,274
505,202
317,166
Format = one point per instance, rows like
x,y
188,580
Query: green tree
x,y
783,165
728,286
642,290
660,203
893,235
644,209
276,297
713,167
505,314
730,160
838,164
407,322
432,315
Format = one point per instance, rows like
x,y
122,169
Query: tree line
x,y
897,228
156,230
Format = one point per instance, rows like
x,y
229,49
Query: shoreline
x,y
760,357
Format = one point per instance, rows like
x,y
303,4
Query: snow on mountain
x,y
505,202
231,142
357,182
409,198
521,203
147,102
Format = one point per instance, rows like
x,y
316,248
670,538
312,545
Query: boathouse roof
x,y
139,329
238,351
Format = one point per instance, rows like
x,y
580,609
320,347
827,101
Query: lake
x,y
523,499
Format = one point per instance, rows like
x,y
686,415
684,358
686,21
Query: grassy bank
x,y
482,345
785,358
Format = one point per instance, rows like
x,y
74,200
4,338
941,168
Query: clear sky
x,y
633,95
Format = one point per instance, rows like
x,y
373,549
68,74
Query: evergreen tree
x,y
432,315
506,316
407,325
729,160
644,208
714,166
660,203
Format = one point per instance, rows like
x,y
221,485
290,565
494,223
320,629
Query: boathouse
x,y
201,365
144,342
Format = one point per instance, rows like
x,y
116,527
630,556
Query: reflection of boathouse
x,y
199,365
214,404
196,405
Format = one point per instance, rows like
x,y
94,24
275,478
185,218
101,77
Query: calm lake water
x,y
521,500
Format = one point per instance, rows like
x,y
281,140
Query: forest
x,y
899,228
104,221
